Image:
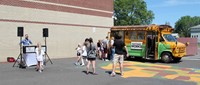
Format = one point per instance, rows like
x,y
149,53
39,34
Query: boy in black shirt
x,y
119,45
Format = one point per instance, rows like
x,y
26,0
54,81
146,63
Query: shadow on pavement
x,y
150,61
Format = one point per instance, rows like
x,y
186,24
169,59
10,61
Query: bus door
x,y
151,45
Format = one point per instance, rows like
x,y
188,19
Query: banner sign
x,y
136,45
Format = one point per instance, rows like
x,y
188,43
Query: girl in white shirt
x,y
39,57
84,54
79,52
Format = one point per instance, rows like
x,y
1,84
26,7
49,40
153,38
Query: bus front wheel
x,y
166,57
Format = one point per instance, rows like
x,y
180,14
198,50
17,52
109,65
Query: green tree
x,y
132,12
184,24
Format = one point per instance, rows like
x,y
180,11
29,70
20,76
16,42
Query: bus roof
x,y
135,27
141,27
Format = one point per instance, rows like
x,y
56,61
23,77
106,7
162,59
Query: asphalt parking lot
x,y
64,72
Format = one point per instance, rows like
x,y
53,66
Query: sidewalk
x,y
194,57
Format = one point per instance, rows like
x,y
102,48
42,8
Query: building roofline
x,y
194,27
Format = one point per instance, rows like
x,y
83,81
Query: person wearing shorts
x,y
119,45
79,51
105,49
91,60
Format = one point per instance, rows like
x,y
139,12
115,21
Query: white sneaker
x,y
113,74
40,71
106,60
82,64
76,64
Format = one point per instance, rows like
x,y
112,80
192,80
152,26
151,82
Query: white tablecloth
x,y
30,59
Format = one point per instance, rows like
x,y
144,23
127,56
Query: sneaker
x,y
76,64
106,60
82,64
87,73
112,74
122,74
40,71
94,73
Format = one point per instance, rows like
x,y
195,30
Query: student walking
x,y
119,45
84,54
79,52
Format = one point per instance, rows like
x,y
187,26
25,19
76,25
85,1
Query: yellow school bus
x,y
153,42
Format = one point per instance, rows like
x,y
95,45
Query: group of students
x,y
39,53
104,49
116,47
86,51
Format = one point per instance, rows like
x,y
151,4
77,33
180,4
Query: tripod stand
x,y
20,56
46,55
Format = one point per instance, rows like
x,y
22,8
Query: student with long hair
x,y
39,57
91,60
99,48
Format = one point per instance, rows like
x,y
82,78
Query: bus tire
x,y
177,59
166,57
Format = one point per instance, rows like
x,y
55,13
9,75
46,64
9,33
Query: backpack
x,y
91,52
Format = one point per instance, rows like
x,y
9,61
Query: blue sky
x,y
172,10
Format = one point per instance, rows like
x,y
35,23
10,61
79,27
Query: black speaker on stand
x,y
20,33
45,32
45,35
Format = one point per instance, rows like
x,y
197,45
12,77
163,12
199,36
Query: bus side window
x,y
133,35
141,35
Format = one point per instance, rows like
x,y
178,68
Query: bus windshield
x,y
169,38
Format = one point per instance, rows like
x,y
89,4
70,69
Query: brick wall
x,y
192,48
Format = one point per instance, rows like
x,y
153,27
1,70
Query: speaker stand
x,y
46,55
20,56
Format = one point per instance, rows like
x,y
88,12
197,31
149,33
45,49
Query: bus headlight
x,y
176,50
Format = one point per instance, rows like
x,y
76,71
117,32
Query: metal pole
x,y
20,50
45,42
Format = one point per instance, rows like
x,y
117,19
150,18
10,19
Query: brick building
x,y
69,23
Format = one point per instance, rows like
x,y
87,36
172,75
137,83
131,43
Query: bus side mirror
x,y
187,43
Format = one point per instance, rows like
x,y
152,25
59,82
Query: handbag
x,y
91,52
